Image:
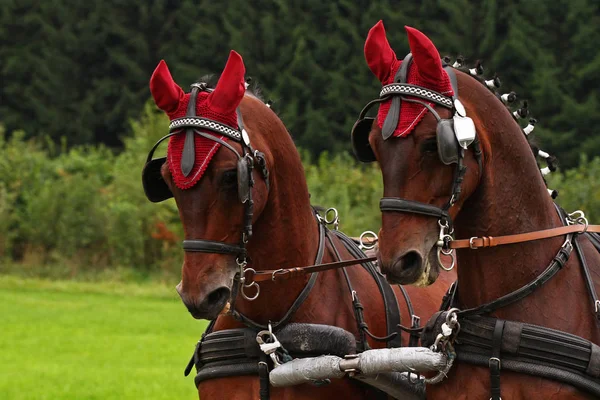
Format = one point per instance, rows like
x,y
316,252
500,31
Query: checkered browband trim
x,y
205,123
405,89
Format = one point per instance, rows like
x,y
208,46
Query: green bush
x,y
83,210
579,188
353,189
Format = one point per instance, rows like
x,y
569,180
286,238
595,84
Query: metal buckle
x,y
494,359
471,244
277,271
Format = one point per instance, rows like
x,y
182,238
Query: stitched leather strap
x,y
589,282
489,241
289,273
495,363
556,264
211,246
415,207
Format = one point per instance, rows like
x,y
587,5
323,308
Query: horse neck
x,y
285,235
511,198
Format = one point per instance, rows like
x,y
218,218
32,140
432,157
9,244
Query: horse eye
x,y
429,146
229,178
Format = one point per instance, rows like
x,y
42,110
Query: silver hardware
x,y
464,129
471,244
495,359
245,137
269,344
250,298
205,123
443,238
275,273
245,286
578,217
410,90
597,305
335,220
362,244
441,264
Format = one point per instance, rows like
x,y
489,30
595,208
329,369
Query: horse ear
x,y
378,52
166,93
425,56
231,88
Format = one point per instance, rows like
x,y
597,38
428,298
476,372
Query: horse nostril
x,y
219,296
411,260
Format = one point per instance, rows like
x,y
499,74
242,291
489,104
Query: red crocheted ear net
x,y
219,105
426,71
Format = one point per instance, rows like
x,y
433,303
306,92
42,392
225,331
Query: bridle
x,y
195,125
454,136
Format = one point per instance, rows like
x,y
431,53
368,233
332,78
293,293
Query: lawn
x,y
76,340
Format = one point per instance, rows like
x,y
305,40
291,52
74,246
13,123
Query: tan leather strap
x,y
288,273
489,241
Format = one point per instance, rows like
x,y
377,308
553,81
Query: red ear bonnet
x,y
219,105
426,71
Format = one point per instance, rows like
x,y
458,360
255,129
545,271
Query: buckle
x,y
495,359
471,244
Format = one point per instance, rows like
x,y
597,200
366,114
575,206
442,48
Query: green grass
x,y
81,340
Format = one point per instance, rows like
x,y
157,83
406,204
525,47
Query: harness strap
x,y
555,265
414,330
489,241
402,205
289,273
356,304
391,306
588,279
263,378
494,363
299,300
211,246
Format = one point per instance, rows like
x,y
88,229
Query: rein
x,y
489,241
289,273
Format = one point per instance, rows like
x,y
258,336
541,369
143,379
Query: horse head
x,y
424,139
217,179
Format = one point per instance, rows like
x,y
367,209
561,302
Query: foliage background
x,y
77,122
80,70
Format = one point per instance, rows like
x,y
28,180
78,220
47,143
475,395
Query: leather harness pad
x,y
155,187
447,145
243,180
360,140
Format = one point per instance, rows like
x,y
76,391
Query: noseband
x,y
454,136
157,190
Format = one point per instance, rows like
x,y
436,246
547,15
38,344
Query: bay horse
x,y
250,204
445,175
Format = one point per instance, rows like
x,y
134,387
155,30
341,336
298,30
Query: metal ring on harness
x,y
452,256
335,220
362,244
